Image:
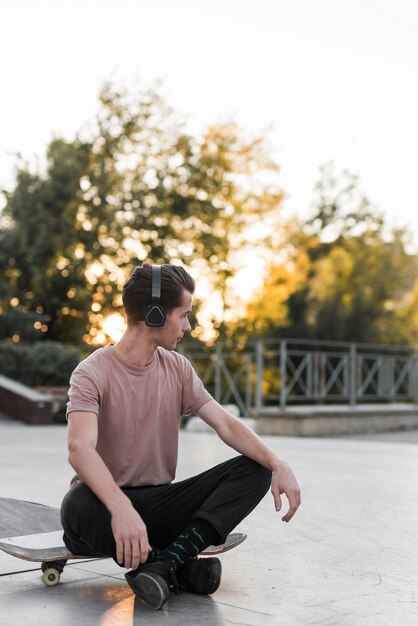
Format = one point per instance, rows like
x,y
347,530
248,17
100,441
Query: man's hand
x,y
284,481
131,536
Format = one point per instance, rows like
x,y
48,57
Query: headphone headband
x,y
156,283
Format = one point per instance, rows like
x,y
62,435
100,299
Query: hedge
x,y
40,363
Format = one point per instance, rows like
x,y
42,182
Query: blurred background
x,y
269,146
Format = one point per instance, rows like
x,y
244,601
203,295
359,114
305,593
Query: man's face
x,y
176,324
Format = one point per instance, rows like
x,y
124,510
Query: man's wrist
x,y
117,502
277,464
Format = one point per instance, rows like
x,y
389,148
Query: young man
x,y
125,403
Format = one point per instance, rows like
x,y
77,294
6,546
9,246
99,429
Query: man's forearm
x,y
241,438
92,470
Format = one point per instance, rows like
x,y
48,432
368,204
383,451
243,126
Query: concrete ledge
x,y
323,421
24,403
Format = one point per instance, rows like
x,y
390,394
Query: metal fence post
x,y
259,366
283,359
218,373
353,373
248,389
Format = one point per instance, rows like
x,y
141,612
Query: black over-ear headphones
x,y
154,313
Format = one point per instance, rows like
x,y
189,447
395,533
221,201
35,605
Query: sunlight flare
x,y
114,326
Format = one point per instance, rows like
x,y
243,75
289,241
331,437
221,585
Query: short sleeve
x,y
83,393
194,394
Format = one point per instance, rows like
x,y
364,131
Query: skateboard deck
x,y
61,553
18,518
54,558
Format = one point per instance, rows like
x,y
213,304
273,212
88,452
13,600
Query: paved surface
x,y
349,557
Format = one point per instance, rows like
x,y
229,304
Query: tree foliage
x,y
342,276
138,187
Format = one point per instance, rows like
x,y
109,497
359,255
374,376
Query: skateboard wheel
x,y
51,577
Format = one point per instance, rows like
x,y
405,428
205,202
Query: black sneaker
x,y
152,582
200,575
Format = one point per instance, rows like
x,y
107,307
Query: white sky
x,y
337,80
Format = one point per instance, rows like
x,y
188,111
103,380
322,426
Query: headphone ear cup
x,y
154,316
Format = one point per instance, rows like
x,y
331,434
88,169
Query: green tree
x,y
342,275
358,267
36,236
340,209
138,187
355,285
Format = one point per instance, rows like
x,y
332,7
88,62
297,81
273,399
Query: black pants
x,y
223,496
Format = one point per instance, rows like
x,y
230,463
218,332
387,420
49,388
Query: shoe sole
x,y
150,589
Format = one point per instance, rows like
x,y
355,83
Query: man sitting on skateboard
x,y
125,403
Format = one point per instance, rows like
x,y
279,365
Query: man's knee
x,y
264,475
80,507
259,474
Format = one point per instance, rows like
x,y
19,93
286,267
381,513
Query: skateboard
x,y
42,523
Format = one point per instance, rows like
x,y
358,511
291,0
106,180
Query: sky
x,y
331,80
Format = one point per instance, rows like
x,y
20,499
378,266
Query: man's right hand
x,y
130,532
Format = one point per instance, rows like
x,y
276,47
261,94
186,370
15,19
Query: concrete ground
x,y
348,558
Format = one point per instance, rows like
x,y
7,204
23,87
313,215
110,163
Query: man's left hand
x,y
284,481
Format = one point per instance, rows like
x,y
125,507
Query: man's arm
x,y
241,438
128,528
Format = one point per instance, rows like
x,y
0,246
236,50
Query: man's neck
x,y
134,348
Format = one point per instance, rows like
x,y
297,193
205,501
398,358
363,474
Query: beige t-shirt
x,y
138,411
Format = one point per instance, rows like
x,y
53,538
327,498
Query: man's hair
x,y
136,294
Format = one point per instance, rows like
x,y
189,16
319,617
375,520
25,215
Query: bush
x,y
41,363
11,359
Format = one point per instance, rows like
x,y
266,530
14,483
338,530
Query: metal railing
x,y
299,371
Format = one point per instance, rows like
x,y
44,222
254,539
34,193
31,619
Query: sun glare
x,y
114,326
